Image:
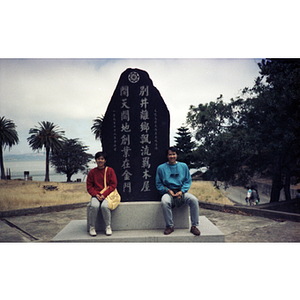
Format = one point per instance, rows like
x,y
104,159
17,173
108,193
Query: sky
x,y
62,65
71,93
206,48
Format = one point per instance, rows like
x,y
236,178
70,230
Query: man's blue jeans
x,y
190,199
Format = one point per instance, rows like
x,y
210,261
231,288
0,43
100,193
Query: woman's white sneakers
x,y
93,231
108,230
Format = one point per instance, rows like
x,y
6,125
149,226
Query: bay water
x,y
37,170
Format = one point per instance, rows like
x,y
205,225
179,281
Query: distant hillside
x,y
25,157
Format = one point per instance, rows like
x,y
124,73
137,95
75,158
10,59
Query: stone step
x,y
142,215
76,231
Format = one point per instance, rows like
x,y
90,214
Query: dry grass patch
x,y
19,194
205,191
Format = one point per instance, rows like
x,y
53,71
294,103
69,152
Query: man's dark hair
x,y
173,149
98,154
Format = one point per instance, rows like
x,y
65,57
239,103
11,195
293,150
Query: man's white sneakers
x,y
108,230
93,231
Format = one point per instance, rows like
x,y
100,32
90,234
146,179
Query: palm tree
x,y
97,128
49,136
8,137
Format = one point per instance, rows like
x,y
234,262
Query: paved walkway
x,y
44,227
236,228
238,194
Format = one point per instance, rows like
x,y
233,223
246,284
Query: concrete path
x,y
238,194
236,228
43,227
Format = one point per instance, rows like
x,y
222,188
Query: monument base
x,y
75,231
141,222
141,215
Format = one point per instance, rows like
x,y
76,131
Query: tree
x,y
71,158
97,128
47,136
223,144
275,113
8,137
185,146
258,132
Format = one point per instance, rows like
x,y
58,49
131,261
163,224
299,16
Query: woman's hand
x,y
100,197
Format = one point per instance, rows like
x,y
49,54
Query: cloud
x,y
73,92
50,87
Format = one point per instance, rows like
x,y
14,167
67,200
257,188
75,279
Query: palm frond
x,y
8,133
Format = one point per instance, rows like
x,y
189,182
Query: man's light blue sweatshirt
x,y
173,177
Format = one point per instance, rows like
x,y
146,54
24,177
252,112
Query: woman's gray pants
x,y
93,212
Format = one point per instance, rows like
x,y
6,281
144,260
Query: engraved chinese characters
x,y
135,135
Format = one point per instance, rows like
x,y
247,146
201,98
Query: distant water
x,y
37,170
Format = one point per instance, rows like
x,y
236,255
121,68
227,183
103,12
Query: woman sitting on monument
x,y
173,180
95,185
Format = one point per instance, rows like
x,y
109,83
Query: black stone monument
x,y
135,135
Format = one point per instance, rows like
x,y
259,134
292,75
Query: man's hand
x,y
178,194
171,193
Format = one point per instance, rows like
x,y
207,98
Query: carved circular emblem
x,y
133,77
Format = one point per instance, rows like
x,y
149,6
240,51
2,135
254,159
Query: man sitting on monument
x,y
95,184
173,180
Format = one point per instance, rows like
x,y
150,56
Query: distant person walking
x,y
252,197
173,180
95,184
216,182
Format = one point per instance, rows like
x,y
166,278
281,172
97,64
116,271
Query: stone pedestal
x,y
143,215
142,222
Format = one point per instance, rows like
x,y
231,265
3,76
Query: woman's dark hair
x,y
98,154
173,149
